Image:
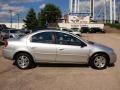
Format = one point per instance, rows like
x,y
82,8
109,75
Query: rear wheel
x,y
24,61
99,61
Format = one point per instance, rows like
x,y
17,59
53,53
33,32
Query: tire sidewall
x,y
93,60
29,58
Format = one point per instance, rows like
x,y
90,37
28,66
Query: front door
x,y
71,49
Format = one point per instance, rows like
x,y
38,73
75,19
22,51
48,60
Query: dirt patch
x,y
111,30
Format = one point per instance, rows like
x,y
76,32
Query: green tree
x,y
49,14
31,19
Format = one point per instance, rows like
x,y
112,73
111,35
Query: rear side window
x,y
44,37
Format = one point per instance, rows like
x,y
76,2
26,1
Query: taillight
x,y
5,43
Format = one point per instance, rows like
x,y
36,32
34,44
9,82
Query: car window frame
x,y
69,44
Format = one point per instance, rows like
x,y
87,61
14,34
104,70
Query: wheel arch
x,y
108,57
22,52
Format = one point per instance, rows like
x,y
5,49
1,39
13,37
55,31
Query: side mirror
x,y
83,45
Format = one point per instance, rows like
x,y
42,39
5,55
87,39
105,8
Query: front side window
x,y
44,37
66,39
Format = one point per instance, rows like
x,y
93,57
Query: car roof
x,y
49,30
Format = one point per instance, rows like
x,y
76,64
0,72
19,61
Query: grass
x,y
117,26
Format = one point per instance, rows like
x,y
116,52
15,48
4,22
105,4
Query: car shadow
x,y
111,65
62,65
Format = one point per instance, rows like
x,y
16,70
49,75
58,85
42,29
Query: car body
x,y
53,46
11,33
72,30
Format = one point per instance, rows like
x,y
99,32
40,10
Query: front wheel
x,y
24,61
99,61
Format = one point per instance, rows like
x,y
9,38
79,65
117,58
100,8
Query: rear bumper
x,y
8,54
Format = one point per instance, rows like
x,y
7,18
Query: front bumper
x,y
113,58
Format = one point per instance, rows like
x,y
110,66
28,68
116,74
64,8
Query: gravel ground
x,y
64,77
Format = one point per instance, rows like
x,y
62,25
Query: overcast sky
x,y
22,7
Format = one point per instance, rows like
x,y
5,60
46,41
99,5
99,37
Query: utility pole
x,y
105,11
111,11
18,19
10,11
75,5
114,10
118,9
71,6
92,9
78,11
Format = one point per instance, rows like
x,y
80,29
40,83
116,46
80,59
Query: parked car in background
x,y
53,46
11,33
96,30
73,31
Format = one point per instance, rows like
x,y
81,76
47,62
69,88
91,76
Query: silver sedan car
x,y
52,46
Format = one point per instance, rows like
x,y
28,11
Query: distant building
x,y
15,25
73,21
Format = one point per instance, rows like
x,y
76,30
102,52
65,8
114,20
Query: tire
x,y
99,61
24,61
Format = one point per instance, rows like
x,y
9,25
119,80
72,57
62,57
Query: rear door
x,y
42,46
